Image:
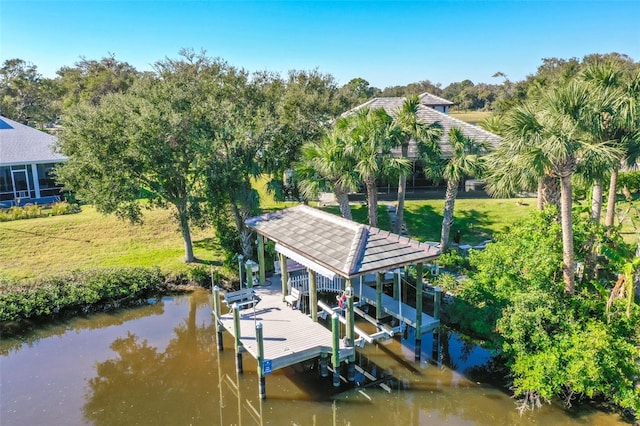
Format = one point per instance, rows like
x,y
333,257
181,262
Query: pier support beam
x,y
335,349
284,276
238,345
396,284
261,265
324,368
379,310
262,386
216,316
313,295
418,310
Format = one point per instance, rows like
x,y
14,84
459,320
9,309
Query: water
x,y
158,365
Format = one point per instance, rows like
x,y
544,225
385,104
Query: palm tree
x,y
517,164
369,136
425,136
327,166
465,161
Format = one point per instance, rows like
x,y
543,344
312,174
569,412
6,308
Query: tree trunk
x,y
402,189
372,201
245,233
596,200
183,218
343,202
447,220
611,201
567,233
548,191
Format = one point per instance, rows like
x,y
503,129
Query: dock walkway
x,y
289,336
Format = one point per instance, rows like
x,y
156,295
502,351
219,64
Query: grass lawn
x,y
471,117
477,219
52,245
36,247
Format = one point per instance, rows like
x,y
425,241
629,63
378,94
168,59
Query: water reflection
x,y
160,366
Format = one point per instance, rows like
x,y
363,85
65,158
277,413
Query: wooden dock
x,y
396,308
289,336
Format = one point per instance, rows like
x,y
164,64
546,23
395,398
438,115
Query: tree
x,y
425,136
152,139
370,136
25,96
465,161
328,166
89,80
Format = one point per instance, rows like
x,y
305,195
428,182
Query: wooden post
x,y
396,284
379,310
418,310
241,269
335,349
249,272
236,329
437,299
351,334
263,278
313,296
284,275
324,371
216,316
405,294
262,391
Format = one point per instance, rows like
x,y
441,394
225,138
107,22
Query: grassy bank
x,y
56,245
471,117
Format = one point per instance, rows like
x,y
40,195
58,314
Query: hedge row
x,y
78,291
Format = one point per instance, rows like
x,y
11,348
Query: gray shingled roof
x,y
346,248
432,100
20,144
429,115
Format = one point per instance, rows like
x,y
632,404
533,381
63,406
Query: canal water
x,y
159,365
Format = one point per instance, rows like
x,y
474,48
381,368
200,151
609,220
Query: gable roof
x,y
344,247
432,100
429,115
20,144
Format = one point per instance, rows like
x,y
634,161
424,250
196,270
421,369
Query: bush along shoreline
x,y
25,303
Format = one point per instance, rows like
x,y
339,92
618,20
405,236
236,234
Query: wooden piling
x,y
284,276
418,310
263,275
216,317
238,345
262,391
335,349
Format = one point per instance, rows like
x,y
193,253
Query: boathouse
x,y
336,255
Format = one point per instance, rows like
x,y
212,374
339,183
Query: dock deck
x,y
396,308
289,336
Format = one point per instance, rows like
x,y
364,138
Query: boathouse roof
x,y
331,245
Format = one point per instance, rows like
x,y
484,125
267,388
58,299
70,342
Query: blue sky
x,y
386,43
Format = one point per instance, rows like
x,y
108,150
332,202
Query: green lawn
x,y
471,117
35,247
51,245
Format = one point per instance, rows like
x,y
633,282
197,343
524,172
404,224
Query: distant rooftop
x,y
20,144
429,115
341,246
432,100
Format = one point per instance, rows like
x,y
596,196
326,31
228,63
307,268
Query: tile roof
x,y
20,144
346,248
429,115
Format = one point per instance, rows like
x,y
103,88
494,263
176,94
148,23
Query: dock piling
x,y
335,354
216,315
262,388
238,345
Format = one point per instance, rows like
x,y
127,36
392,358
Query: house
x,y
27,158
432,109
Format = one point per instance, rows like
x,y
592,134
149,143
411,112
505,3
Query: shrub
x,y
75,291
631,180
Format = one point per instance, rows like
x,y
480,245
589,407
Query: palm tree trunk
x,y
343,201
402,189
567,233
548,191
611,201
372,200
245,233
447,219
596,200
